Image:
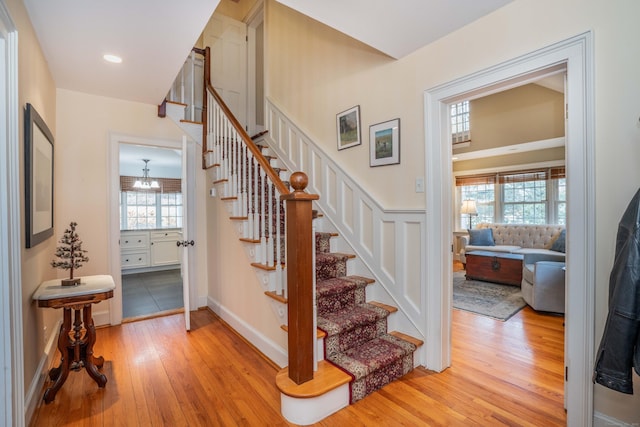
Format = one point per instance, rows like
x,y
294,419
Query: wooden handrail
x,y
271,173
300,270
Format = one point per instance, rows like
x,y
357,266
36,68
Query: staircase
x,y
356,339
357,354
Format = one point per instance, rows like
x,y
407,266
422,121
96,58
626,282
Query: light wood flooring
x,y
503,374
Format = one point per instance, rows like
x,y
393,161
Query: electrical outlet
x,y
419,185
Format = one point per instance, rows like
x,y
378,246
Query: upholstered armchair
x,y
543,283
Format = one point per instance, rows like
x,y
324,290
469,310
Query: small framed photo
x,y
38,151
384,140
348,125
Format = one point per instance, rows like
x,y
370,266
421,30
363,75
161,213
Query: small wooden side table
x,y
75,346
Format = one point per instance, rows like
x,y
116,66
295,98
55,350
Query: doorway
x,y
576,54
150,228
187,151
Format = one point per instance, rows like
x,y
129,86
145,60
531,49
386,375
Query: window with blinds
x,y
534,196
151,208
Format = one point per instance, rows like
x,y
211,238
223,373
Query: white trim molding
x,y
12,408
576,56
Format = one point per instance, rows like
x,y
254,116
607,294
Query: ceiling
x,y
396,28
163,162
153,37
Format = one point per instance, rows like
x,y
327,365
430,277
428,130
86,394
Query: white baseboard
x,y
34,393
202,301
269,348
602,420
101,318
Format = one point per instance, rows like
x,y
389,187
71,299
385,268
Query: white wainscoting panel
x,y
389,244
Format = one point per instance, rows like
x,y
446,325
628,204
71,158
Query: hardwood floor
x,y
503,373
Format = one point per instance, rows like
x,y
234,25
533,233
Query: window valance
x,y
167,185
506,177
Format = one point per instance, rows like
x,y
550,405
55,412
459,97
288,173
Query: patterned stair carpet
x,y
357,340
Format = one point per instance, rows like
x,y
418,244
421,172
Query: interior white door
x,y
227,39
185,236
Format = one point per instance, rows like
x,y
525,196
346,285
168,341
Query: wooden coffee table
x,y
495,267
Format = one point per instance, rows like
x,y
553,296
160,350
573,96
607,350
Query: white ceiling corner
x,y
396,28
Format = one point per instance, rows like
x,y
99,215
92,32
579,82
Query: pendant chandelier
x,y
146,183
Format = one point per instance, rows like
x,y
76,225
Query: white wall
x,y
85,123
314,72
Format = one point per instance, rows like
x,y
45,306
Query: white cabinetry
x,y
149,249
134,249
164,250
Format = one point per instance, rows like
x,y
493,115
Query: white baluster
x,y
192,107
256,198
263,214
278,242
250,196
270,246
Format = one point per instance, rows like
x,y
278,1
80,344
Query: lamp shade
x,y
146,183
469,207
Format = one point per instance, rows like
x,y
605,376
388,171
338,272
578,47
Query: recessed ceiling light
x,y
112,58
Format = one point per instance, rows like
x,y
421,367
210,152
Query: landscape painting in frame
x,y
38,178
384,140
348,124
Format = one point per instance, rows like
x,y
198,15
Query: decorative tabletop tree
x,y
71,254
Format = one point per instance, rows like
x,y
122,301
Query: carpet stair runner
x,y
357,340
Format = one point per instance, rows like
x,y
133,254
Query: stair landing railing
x,y
275,218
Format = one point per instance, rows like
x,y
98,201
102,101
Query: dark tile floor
x,y
149,293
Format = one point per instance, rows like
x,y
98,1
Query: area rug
x,y
488,299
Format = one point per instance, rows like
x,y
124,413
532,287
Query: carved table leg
x,y
61,372
92,363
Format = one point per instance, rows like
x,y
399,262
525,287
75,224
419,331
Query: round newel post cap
x,y
299,181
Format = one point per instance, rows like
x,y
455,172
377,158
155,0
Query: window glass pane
x,y
483,194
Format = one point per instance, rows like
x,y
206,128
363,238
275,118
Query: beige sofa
x,y
519,239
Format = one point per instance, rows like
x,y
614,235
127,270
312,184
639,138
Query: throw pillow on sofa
x,y
560,243
481,237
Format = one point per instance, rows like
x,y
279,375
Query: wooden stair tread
x,y
319,332
349,256
229,198
408,338
190,121
176,103
275,296
247,240
220,181
263,267
238,218
389,308
367,280
326,378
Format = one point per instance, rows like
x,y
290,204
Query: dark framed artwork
x,y
38,162
348,126
384,141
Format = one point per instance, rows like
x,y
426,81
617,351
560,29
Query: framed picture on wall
x,y
384,141
348,126
38,161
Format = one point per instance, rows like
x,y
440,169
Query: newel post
x,y
300,271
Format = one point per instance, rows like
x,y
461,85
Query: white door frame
x,y
577,54
255,17
12,410
115,268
